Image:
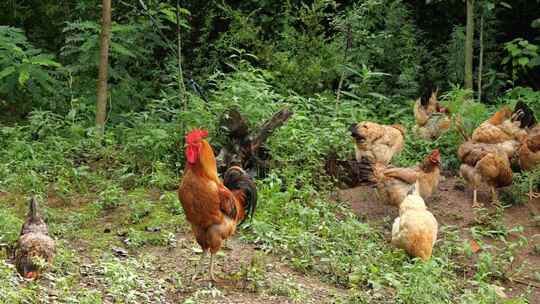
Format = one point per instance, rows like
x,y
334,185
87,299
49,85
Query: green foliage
x,y
25,71
305,60
455,61
130,42
521,55
383,38
10,225
258,56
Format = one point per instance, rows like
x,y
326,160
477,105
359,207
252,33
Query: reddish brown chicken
x,y
529,155
488,163
393,184
212,207
34,243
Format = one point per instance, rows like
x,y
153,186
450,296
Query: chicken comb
x,y
195,135
435,154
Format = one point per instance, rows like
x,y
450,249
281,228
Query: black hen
x,y
524,114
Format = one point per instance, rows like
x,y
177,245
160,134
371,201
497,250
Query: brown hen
x,y
378,143
34,244
393,184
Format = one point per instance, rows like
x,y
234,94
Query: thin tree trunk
x,y
469,39
481,60
101,106
342,78
180,77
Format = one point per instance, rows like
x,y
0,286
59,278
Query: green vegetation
x,y
101,193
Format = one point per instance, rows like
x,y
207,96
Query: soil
x,y
452,206
232,281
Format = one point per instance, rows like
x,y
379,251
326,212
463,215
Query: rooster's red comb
x,y
195,135
435,153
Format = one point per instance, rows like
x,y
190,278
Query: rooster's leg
x,y
212,278
494,198
475,201
199,266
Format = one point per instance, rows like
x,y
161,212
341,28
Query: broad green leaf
x,y
531,47
44,61
7,71
523,61
535,23
535,62
377,95
24,75
506,5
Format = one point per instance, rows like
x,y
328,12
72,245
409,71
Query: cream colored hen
x,y
415,230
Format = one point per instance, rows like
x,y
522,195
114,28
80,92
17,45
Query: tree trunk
x,y
481,60
180,76
101,110
342,78
469,39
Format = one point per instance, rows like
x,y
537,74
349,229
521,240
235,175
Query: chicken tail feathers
x,y
237,179
365,171
33,208
524,114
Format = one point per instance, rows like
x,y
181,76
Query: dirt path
x,y
245,275
451,205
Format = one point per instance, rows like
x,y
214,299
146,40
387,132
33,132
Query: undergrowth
x,y
118,190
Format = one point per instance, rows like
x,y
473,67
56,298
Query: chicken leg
x,y
475,201
212,278
494,197
199,266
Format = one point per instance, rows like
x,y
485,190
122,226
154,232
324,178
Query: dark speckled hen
x,y
34,244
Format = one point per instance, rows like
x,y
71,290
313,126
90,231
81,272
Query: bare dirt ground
x,y
245,275
451,205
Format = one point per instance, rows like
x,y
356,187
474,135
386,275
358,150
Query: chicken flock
x,y
509,137
215,207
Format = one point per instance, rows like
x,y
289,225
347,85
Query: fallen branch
x,y
245,149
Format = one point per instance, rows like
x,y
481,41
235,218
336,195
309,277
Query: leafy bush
x,y
26,72
131,42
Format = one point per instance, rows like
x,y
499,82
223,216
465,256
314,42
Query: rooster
x,y
213,208
415,230
393,184
377,142
34,243
489,163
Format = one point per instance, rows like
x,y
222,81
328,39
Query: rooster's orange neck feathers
x,y
206,163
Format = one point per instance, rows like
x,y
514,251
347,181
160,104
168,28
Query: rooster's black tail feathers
x,y
237,179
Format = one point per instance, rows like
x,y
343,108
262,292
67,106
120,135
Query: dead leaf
x,y
474,246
